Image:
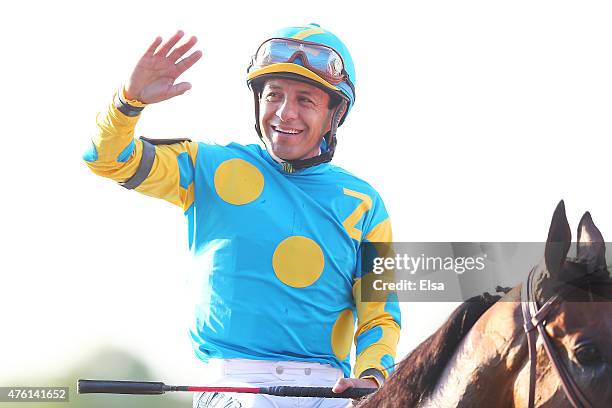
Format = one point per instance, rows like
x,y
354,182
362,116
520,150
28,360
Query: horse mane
x,y
417,375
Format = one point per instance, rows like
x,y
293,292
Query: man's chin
x,y
284,152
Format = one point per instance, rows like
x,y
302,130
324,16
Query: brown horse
x,y
480,357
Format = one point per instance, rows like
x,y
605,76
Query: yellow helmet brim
x,y
285,67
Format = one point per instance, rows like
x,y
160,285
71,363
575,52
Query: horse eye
x,y
587,354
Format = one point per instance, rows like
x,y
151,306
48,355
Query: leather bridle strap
x,y
530,322
533,319
572,392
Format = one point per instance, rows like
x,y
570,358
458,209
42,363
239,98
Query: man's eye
x,y
271,95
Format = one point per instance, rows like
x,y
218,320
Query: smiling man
x,y
276,232
294,115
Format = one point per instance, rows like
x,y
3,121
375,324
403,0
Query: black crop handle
x,y
318,392
120,387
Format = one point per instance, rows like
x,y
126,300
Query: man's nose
x,y
288,110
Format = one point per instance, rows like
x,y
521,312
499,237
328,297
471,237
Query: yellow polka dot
x,y
342,334
238,182
298,261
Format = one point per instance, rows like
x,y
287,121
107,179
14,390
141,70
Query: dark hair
x,y
334,100
416,376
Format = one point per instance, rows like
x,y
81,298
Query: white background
x,y
472,120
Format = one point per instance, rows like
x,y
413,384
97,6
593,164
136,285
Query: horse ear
x,y
591,244
558,242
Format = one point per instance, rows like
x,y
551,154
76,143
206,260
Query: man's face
x,y
293,117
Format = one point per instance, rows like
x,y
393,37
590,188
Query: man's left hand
x,y
344,383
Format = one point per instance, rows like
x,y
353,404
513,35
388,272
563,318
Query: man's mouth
x,y
286,130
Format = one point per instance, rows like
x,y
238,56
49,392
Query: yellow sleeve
x,y
167,171
378,323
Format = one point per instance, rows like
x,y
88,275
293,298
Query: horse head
x,y
481,356
579,326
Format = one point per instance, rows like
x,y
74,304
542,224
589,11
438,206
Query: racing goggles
x,y
320,59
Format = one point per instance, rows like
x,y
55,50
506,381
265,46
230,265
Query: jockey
x,y
276,232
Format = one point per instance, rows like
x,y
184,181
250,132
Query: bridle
x,y
534,318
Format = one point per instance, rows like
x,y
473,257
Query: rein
x,y
534,321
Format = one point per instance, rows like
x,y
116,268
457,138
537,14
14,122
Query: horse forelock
x,y
580,281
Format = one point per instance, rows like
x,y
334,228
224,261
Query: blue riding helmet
x,y
275,59
313,55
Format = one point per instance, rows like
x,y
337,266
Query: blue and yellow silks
x,y
277,254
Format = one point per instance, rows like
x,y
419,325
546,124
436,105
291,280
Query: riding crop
x,y
155,388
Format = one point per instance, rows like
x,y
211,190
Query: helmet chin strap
x,y
290,166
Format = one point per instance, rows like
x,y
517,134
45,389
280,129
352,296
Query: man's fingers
x,y
153,45
164,49
186,63
179,89
344,383
180,51
341,385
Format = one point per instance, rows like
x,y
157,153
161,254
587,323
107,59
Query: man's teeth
x,y
290,131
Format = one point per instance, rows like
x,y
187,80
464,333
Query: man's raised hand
x,y
152,79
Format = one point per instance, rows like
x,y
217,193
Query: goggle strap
x,y
256,96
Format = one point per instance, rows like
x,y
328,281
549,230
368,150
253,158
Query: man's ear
x,y
341,109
